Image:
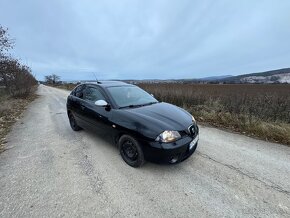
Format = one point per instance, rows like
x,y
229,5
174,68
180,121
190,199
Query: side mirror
x,y
79,95
101,103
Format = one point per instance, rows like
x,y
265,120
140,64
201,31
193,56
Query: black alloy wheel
x,y
131,151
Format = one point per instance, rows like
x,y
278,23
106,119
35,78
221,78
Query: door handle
x,y
82,107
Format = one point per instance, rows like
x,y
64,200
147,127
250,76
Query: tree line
x,y
16,78
52,79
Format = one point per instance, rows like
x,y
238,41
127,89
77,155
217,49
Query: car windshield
x,y
130,96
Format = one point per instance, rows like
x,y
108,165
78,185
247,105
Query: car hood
x,y
153,119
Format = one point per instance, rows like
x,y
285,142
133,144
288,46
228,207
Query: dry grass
x,y
10,111
256,110
68,86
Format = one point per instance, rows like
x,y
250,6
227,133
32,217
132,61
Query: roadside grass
x,y
270,131
68,86
11,110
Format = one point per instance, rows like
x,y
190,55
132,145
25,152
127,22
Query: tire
x,y
131,151
73,123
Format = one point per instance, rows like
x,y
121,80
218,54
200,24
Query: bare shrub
x,y
14,76
17,78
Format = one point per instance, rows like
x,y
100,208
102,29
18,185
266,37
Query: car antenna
x,y
96,78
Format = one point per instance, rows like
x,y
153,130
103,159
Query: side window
x,y
78,92
92,94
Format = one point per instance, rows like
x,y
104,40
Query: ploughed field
x,y
261,110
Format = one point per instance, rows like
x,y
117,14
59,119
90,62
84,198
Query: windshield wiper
x,y
131,106
138,105
153,102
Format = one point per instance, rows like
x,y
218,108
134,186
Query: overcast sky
x,y
135,39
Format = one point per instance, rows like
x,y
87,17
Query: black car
x,y
142,127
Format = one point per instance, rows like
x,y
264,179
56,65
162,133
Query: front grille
x,y
193,130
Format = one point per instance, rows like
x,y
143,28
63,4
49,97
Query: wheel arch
x,y
130,133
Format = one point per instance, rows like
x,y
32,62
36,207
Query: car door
x,y
76,103
95,116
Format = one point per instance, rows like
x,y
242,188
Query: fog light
x,y
174,159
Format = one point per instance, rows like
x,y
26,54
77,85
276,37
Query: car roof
x,y
108,83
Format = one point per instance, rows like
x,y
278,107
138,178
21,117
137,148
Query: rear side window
x,y
92,94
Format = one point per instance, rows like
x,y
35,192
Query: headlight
x,y
168,136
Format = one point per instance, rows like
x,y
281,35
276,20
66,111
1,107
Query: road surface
x,y
51,171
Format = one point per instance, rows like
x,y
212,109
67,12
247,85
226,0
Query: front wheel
x,y
131,151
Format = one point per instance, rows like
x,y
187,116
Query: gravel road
x,y
51,171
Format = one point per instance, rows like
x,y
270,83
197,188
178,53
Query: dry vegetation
x,y
17,85
256,110
11,109
68,86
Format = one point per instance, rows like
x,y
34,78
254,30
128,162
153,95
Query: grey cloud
x,y
148,39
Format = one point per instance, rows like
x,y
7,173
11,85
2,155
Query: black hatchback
x,y
142,127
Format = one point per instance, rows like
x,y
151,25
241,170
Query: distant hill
x,y
213,78
268,77
273,76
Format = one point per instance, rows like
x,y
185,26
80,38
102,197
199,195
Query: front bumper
x,y
170,152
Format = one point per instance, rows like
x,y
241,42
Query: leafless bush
x,y
14,76
17,78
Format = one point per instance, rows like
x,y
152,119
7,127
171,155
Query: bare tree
x,y
55,78
48,79
52,79
6,42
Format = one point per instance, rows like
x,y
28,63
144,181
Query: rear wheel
x,y
73,123
131,151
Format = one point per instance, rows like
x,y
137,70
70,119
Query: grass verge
x,y
11,110
270,131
